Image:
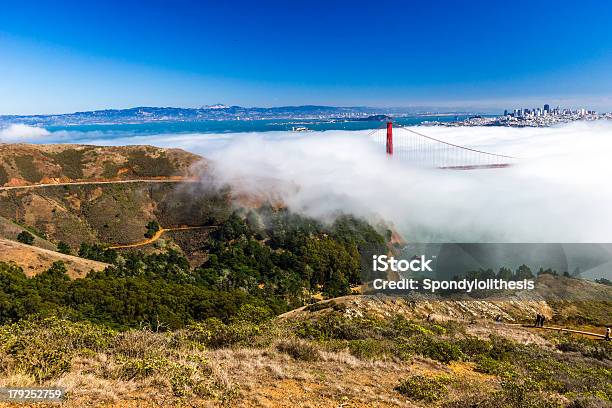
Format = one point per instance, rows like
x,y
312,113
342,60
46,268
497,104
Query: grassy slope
x,y
34,260
330,358
22,164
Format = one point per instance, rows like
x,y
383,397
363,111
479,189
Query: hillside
x,y
25,164
66,208
558,298
203,317
34,260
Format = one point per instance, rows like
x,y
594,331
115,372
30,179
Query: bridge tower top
x,y
390,138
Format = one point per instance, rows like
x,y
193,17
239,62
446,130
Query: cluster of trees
x,y
522,272
98,252
288,255
271,259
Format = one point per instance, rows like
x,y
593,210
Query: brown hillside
x,y
554,297
34,260
26,164
111,214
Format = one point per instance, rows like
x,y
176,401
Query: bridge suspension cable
x,y
424,150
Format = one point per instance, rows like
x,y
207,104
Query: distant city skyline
x,y
479,56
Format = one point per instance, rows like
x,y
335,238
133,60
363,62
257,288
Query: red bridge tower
x,y
390,138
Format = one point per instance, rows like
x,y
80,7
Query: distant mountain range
x,y
212,112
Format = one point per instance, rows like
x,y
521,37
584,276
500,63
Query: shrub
x,y
423,388
152,228
214,333
44,348
368,349
25,237
487,365
441,350
133,368
64,248
253,314
332,326
473,346
403,327
588,348
299,349
523,394
316,307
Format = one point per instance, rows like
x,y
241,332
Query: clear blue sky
x,y
67,56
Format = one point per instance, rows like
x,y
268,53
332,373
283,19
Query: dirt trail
x,y
563,329
155,237
85,183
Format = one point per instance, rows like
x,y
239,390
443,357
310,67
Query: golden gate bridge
x,y
426,151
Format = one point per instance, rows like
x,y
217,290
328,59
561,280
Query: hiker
x,y
537,322
542,319
608,334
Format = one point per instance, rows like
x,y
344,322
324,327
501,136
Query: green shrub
x,y
368,349
523,394
215,334
316,307
135,368
403,327
64,248
473,346
44,348
110,170
600,350
423,388
487,365
25,237
152,228
334,326
436,349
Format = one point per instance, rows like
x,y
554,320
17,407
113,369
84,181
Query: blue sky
x,y
68,56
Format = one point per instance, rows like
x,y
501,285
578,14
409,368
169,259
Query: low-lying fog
x,y
560,190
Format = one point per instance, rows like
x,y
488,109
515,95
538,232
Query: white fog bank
x,y
560,190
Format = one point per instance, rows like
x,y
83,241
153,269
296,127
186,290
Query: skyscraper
x,y
546,108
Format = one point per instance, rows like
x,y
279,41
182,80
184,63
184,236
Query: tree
x,y
64,248
523,272
505,273
25,237
152,228
604,281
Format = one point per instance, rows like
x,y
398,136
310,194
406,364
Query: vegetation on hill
x,y
277,265
30,163
221,363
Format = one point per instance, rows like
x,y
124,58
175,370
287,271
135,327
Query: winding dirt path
x,y
157,236
85,183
